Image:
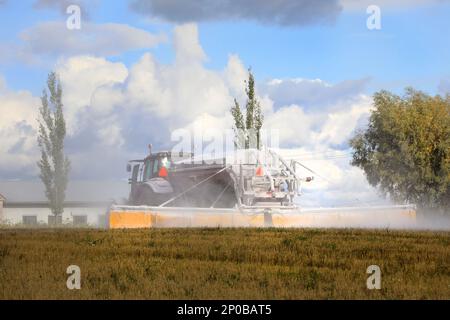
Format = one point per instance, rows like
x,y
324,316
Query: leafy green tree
x,y
254,118
54,165
405,151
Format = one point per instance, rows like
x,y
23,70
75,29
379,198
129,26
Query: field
x,y
224,264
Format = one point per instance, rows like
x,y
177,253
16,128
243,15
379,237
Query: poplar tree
x,y
254,118
54,165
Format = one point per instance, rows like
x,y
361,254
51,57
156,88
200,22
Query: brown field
x,y
224,264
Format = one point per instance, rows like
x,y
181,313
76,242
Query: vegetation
x,y
248,131
405,150
54,166
224,264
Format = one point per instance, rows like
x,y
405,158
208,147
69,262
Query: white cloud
x,y
293,124
311,93
109,39
82,77
180,91
340,124
18,127
336,182
187,45
329,125
110,132
235,74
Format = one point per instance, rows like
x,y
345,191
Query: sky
x,y
136,71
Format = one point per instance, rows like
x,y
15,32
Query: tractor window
x,y
148,174
134,174
165,162
155,167
152,167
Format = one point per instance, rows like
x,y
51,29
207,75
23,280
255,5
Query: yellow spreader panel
x,y
129,219
395,217
147,219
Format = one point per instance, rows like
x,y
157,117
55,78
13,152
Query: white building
x,y
24,202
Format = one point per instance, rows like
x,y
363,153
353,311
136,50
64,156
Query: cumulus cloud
x,y
341,122
114,111
54,40
282,12
312,92
235,75
98,39
181,91
18,127
337,183
331,126
313,112
81,78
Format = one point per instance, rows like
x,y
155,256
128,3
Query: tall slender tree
x,y
239,126
258,123
54,165
250,105
253,115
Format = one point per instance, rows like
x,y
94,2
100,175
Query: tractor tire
x,y
147,197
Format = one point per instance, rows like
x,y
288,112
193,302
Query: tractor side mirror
x,y
128,167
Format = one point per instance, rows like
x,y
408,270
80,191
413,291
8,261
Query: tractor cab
x,y
151,177
154,165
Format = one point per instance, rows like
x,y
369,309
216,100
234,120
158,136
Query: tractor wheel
x,y
148,198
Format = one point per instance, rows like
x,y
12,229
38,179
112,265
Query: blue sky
x,y
412,48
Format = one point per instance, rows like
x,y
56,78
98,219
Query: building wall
x,y
95,216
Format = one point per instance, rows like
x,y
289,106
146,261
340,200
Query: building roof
x,y
2,197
